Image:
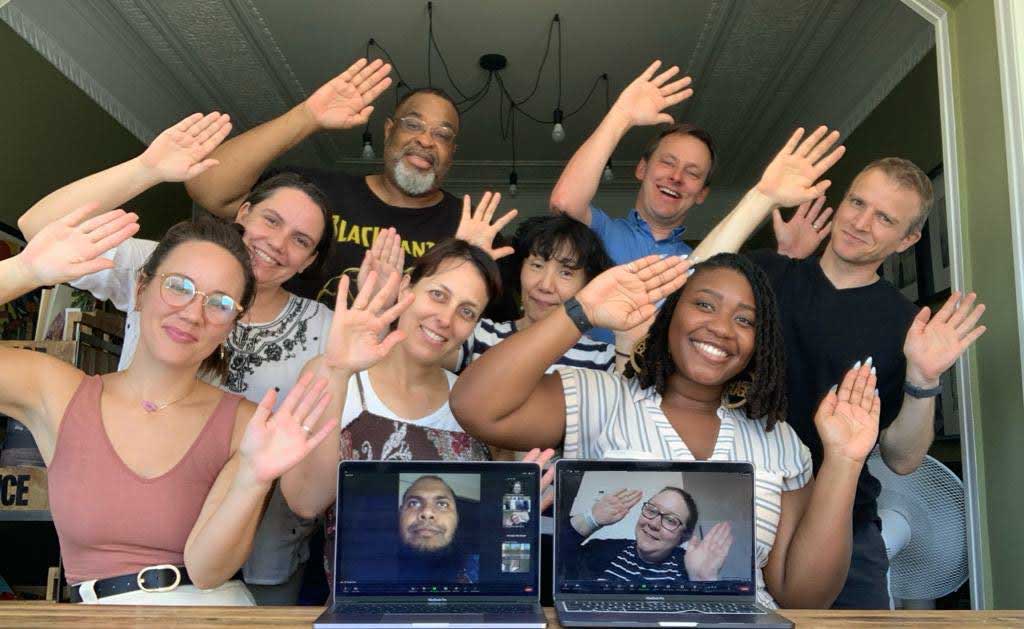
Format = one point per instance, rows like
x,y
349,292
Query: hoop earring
x,y
640,347
735,394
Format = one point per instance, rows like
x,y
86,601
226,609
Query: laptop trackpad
x,y
437,620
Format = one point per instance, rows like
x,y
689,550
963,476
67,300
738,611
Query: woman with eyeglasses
x,y
156,478
287,231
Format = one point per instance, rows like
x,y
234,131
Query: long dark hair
x,y
766,371
546,235
227,236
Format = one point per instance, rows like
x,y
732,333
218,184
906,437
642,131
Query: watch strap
x,y
919,393
574,309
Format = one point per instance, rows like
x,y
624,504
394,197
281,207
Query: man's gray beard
x,y
411,181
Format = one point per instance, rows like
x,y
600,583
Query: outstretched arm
x,y
811,556
178,154
341,103
520,408
789,180
272,442
357,341
642,103
933,344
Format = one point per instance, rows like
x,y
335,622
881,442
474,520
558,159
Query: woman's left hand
x,y
704,557
275,441
476,228
847,419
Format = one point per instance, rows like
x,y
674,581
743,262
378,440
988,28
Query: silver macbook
x,y
436,544
656,544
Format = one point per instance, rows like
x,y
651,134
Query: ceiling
x,y
760,67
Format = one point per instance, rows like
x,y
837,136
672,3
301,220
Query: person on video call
x,y
428,519
655,556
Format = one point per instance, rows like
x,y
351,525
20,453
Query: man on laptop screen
x,y
428,521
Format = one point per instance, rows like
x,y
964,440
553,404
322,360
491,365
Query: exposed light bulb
x,y
558,131
368,146
608,176
513,184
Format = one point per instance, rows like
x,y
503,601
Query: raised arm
x,y
932,345
811,556
66,249
178,154
272,442
505,399
357,341
341,103
642,103
789,180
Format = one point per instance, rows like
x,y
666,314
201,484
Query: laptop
x,y
436,544
622,533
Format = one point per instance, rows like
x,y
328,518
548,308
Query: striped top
x,y
586,353
607,413
626,566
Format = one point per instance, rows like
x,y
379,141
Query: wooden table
x,y
30,615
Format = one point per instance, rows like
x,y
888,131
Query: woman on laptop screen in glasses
x,y
708,383
156,478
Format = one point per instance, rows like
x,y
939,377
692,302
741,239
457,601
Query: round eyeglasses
x,y
670,521
179,291
442,135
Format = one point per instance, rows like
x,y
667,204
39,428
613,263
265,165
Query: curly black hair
x,y
766,371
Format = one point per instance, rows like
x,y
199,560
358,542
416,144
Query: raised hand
x,y
344,101
180,152
611,508
71,246
275,441
542,458
645,99
847,419
357,340
385,257
934,343
802,234
623,297
704,557
475,226
790,178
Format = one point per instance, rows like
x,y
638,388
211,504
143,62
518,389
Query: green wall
x,y
989,268
54,133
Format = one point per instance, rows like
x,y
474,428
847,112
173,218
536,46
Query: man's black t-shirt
x,y
826,331
358,215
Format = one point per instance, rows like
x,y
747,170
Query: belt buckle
x,y
166,588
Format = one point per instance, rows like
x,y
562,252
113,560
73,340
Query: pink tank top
x,y
109,520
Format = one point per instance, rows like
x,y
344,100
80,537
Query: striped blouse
x,y
586,353
606,413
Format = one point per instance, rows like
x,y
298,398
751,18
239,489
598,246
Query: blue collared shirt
x,y
627,239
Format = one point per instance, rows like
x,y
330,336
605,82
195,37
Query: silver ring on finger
x,y
308,430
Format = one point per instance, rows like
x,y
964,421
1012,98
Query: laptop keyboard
x,y
660,607
434,608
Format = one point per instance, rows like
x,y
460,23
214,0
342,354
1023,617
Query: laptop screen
x,y
655,528
437,529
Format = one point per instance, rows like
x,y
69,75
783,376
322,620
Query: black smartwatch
x,y
918,392
574,309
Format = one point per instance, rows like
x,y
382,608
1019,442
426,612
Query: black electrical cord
x,y
432,40
587,99
394,66
559,20
483,92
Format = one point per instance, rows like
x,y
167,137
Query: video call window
x,y
655,531
403,531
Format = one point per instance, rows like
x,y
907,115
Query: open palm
x,y
847,419
789,179
359,335
344,101
644,100
180,152
475,227
624,296
934,343
704,557
275,441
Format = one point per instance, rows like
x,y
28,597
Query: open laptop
x,y
436,544
622,531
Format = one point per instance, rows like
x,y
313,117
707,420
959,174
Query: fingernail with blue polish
x,y
684,256
834,388
876,392
872,371
870,360
856,365
690,272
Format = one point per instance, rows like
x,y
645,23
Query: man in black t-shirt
x,y
419,143
835,310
